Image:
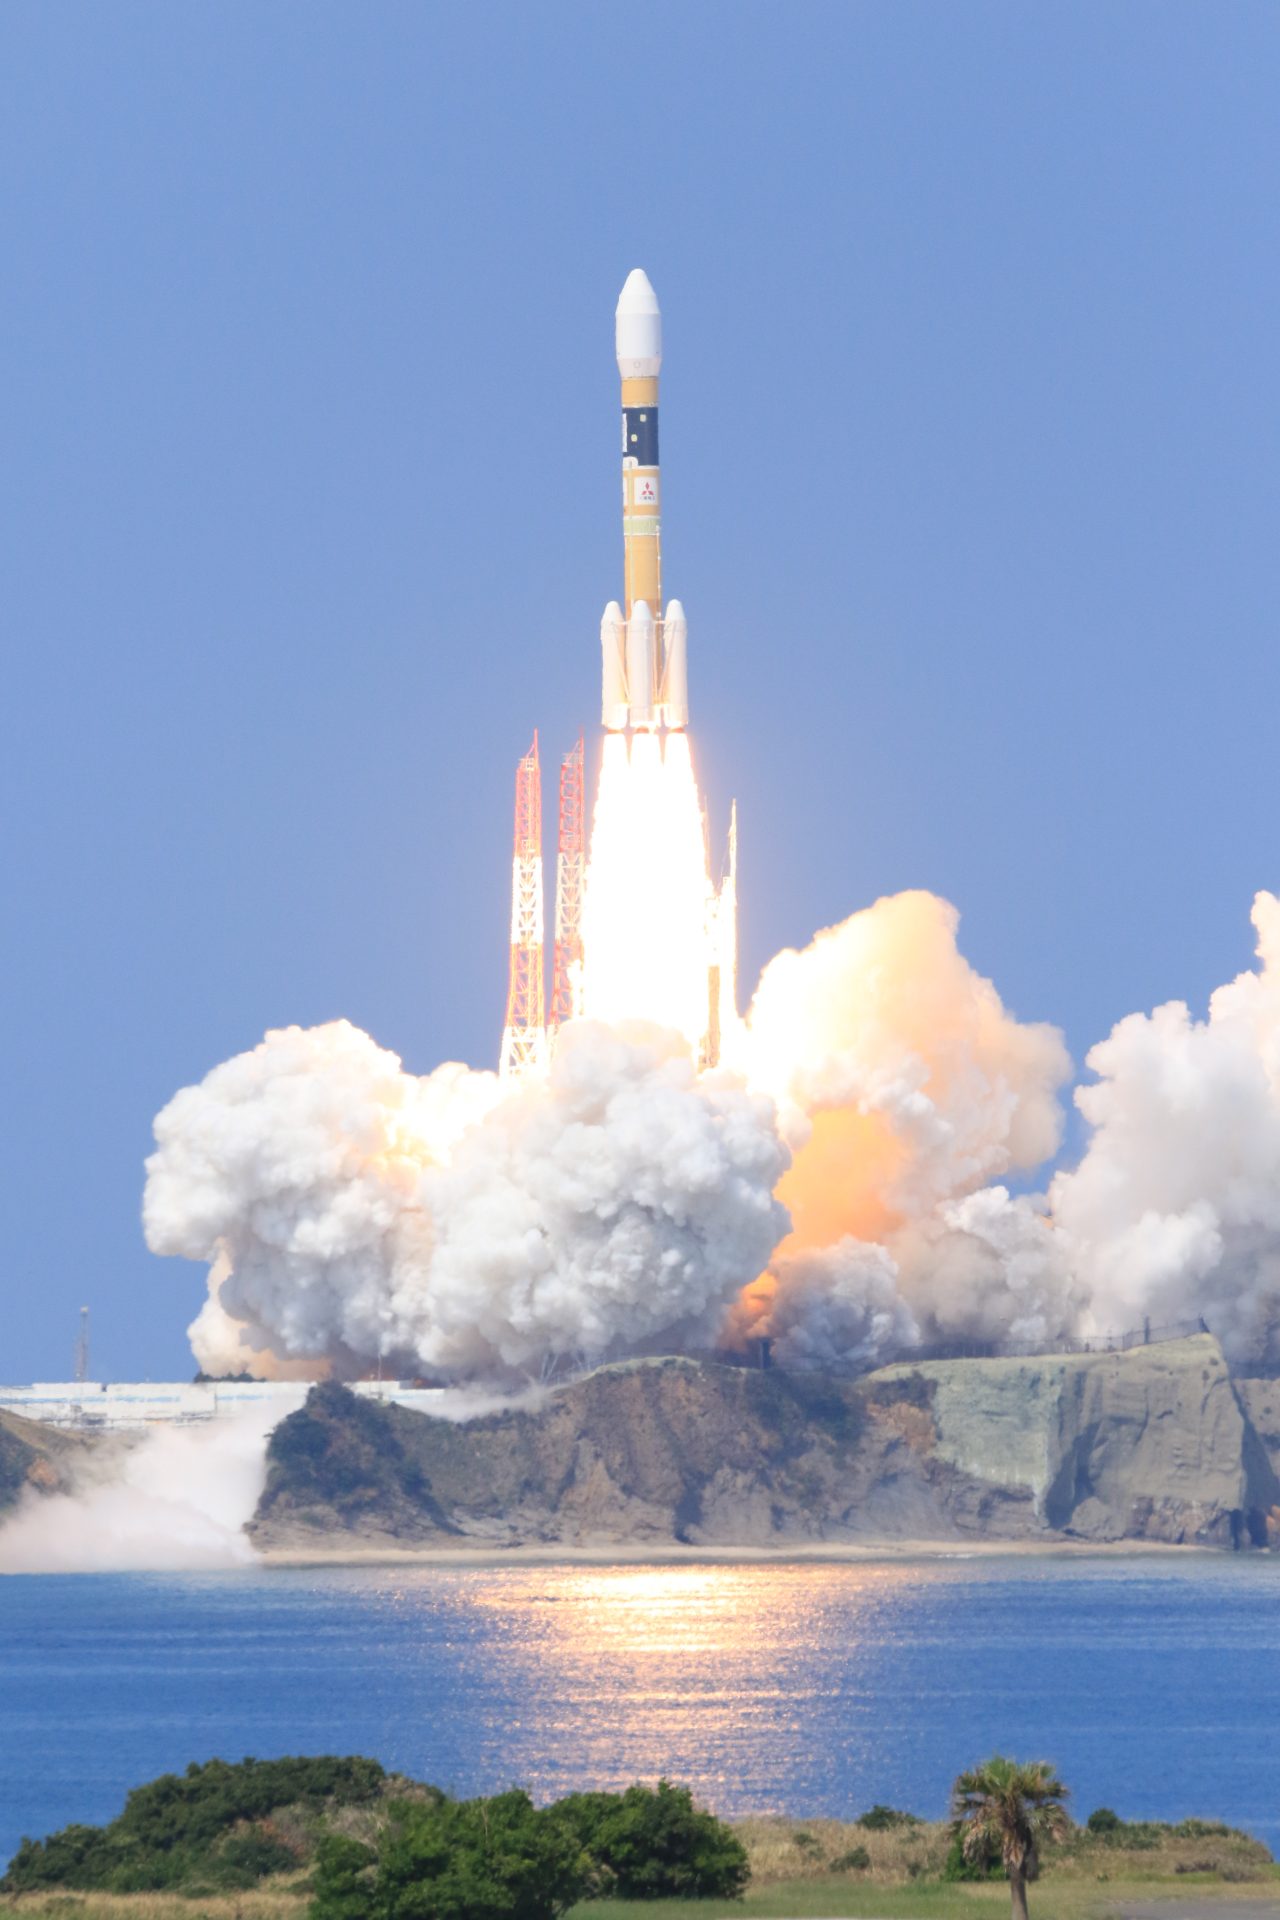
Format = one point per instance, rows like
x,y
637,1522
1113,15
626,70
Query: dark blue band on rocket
x,y
640,435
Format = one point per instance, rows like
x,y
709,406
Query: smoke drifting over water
x,y
835,1185
177,1500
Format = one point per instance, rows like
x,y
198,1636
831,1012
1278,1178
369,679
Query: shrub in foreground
x,y
881,1819
206,1826
498,1859
652,1843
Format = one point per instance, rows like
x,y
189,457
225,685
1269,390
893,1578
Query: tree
x,y
1014,1808
652,1843
499,1859
342,1882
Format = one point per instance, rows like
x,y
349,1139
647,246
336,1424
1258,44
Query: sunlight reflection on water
x,y
808,1687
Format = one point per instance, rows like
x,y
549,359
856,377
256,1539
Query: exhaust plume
x,y
902,1085
1174,1209
356,1211
841,1187
177,1500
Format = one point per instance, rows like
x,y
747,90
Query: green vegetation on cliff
x,y
343,1461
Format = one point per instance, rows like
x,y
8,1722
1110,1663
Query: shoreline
x,y
652,1554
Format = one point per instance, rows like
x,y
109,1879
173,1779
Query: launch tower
x,y
524,1038
571,875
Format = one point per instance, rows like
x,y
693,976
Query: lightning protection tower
x,y
571,862
524,1039
82,1346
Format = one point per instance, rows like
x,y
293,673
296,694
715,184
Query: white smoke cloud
x,y
989,1268
296,1169
1174,1209
883,1018
178,1499
833,1307
359,1211
880,1093
903,1084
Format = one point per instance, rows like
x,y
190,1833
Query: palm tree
x,y
1011,1807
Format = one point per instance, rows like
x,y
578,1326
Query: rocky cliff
x,y
1260,1400
1154,1444
42,1458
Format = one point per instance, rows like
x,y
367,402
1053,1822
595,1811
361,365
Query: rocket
x,y
645,684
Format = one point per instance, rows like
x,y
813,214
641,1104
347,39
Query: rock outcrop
x,y
35,1457
1155,1444
1260,1400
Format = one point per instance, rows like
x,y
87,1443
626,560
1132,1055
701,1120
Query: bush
x,y
654,1844
880,1819
855,1861
1103,1820
252,1853
342,1882
499,1859
202,1825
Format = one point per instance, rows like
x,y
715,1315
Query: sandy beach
x,y
625,1553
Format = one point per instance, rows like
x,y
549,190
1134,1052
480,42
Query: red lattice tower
x,y
524,1038
571,874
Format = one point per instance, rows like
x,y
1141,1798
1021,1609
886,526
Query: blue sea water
x,y
808,1688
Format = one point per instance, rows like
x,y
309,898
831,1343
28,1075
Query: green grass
x,y
815,1898
839,1899
799,1899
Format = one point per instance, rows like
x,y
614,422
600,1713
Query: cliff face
x,y
1260,1400
1154,1444
1151,1445
36,1457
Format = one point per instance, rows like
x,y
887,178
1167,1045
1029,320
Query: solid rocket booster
x,y
644,653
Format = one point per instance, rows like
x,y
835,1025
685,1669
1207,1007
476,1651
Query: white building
x,y
89,1404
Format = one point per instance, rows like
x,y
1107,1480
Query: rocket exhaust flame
x,y
644,930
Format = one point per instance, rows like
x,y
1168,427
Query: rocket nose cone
x,y
638,328
637,294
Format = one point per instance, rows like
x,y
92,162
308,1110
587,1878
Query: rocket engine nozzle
x,y
645,670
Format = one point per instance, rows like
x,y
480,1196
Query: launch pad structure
x,y
644,691
524,1037
571,882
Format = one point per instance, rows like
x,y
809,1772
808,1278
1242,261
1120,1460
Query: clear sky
x,y
310,505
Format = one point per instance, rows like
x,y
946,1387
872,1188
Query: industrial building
x,y
131,1404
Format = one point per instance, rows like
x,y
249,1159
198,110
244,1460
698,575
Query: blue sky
x,y
309,492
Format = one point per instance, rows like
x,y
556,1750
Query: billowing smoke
x,y
839,1187
179,1497
354,1210
1174,1210
903,1084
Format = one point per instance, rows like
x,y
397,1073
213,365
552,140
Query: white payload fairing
x,y
644,649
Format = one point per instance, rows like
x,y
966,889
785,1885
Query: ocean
x,y
807,1688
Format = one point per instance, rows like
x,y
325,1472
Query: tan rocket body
x,y
644,649
641,496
